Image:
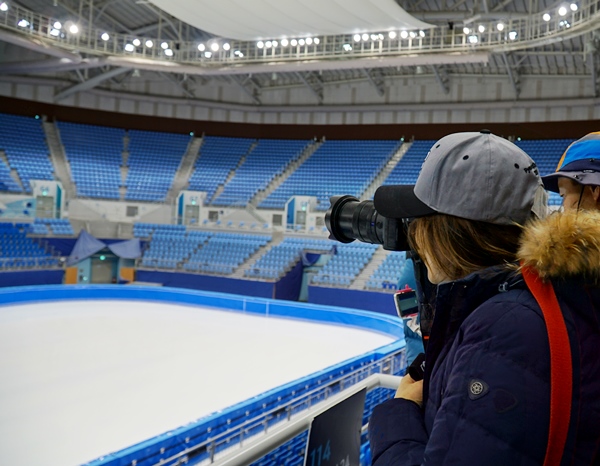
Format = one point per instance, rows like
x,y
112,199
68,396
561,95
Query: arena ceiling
x,y
248,24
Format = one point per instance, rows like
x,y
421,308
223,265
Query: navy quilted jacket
x,y
486,386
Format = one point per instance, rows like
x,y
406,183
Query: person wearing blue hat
x,y
577,177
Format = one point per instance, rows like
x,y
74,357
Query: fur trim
x,y
563,244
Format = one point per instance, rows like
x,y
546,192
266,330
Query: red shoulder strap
x,y
561,370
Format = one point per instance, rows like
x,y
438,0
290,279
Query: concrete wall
x,y
410,100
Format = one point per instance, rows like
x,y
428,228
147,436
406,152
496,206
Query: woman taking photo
x,y
500,387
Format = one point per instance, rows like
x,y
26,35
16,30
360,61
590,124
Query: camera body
x,y
349,219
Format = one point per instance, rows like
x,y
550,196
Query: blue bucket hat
x,y
580,162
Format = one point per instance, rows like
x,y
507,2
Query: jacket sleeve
x,y
397,433
493,403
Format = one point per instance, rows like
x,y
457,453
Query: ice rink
x,y
80,379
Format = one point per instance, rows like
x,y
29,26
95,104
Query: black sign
x,y
334,438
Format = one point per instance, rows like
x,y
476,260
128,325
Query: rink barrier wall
x,y
287,288
200,432
255,305
29,277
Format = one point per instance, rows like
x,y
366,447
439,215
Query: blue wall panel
x,y
31,277
357,299
207,282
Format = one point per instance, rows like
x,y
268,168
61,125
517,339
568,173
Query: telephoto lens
x,y
349,219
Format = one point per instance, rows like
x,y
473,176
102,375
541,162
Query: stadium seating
x,y
387,274
17,251
153,162
218,157
265,161
95,157
170,248
336,167
277,261
345,265
24,142
55,226
546,153
408,168
224,252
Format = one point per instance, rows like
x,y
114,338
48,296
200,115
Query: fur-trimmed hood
x,y
564,244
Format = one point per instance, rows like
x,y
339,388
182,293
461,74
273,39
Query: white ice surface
x,y
80,379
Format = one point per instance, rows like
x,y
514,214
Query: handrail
x,y
212,58
282,434
236,437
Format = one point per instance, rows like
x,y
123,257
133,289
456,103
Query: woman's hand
x,y
410,390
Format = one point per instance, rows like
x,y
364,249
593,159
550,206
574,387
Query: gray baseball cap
x,y
477,176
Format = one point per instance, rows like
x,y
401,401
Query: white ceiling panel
x,y
265,19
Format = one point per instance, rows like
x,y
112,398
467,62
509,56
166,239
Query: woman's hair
x,y
458,246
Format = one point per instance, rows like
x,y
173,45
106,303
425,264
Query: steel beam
x,y
315,86
442,78
253,92
90,83
375,77
512,75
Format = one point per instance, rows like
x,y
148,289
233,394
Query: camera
x,y
349,219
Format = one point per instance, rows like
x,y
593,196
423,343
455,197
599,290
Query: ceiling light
x,y
466,30
73,29
285,42
129,48
168,52
268,44
317,41
481,28
54,32
201,47
226,46
356,37
500,26
294,42
546,17
136,42
214,47
237,53
105,36
309,41
392,35
23,23
164,45
301,42
562,11
260,44
3,6
365,37
57,25
149,44
512,35
374,36
422,33
473,39
573,7
404,34
380,36
274,43
412,34
208,54
347,47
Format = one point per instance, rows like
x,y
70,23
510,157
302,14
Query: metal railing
x,y
514,33
270,429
